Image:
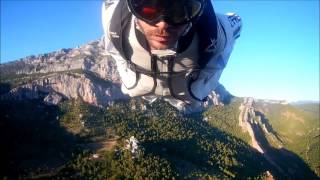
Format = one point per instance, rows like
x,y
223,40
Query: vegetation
x,y
299,129
54,142
33,140
194,147
171,145
226,118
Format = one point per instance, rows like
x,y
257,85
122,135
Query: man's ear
x,y
138,25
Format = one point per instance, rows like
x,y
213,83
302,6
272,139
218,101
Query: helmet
x,y
174,12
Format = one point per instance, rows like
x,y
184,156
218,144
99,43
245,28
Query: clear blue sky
x,y
276,57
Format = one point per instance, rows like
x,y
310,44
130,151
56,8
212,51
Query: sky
x,y
276,56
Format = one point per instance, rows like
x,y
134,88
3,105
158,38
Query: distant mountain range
x,y
63,116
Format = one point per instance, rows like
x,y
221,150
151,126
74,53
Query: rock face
x,y
89,57
132,145
250,121
246,121
67,86
253,121
85,73
219,97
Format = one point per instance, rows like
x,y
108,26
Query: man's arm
x,y
208,77
128,77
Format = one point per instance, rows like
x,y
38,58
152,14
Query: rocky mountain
x,y
64,116
85,72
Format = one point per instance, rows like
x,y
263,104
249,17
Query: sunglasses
x,y
174,12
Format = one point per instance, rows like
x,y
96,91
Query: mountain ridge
x,y
87,74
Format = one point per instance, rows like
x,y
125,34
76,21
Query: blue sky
x,y
276,57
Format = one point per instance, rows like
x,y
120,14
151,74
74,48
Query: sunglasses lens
x,y
174,11
146,9
183,11
150,12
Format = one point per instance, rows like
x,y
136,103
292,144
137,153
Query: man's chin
x,y
156,45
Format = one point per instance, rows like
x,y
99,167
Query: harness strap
x,y
154,68
169,80
120,20
139,69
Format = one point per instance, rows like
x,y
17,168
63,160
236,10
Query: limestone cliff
x,y
90,57
55,87
85,72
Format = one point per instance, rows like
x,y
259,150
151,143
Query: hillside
x,y
63,116
298,127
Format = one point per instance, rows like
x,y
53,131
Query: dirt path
x,y
105,145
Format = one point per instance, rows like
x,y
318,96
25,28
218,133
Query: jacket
x,y
178,76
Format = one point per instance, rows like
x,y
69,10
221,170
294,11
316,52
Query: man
x,y
170,49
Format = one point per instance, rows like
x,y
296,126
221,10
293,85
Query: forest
x,y
56,142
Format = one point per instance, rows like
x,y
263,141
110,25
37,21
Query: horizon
x,y
272,40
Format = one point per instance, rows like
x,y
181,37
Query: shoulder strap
x,y
120,20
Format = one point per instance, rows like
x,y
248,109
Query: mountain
x,y
63,116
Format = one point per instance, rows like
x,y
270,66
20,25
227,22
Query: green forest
x,y
67,142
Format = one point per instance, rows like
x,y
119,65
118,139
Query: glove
x,y
201,87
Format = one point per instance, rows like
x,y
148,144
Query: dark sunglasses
x,y
174,12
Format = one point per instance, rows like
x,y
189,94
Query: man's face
x,y
161,35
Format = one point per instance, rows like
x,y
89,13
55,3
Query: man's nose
x,y
162,24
